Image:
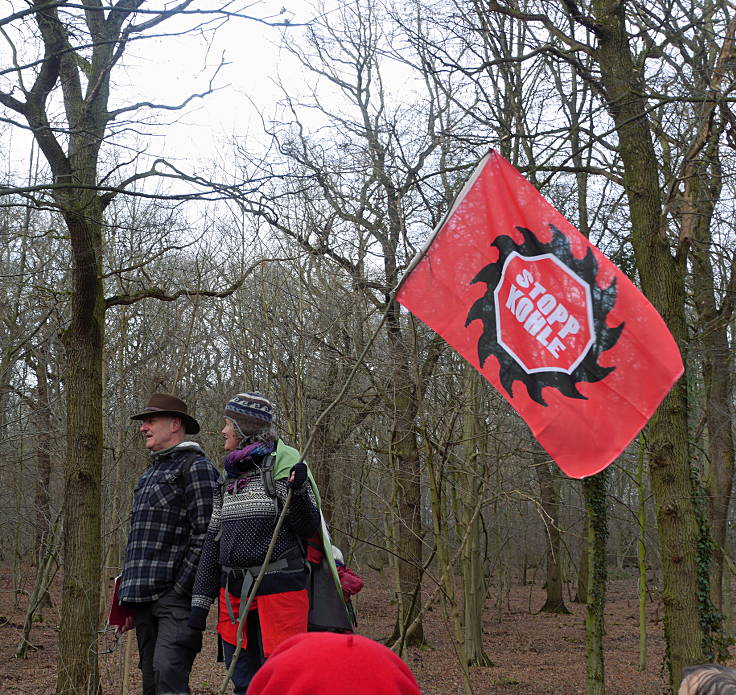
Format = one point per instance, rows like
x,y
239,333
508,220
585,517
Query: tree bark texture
x,y
42,417
702,189
77,670
474,585
581,593
642,557
550,502
594,492
662,279
405,454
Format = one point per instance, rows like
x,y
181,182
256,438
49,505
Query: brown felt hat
x,y
165,404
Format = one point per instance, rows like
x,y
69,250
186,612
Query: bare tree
x,y
57,86
369,176
622,68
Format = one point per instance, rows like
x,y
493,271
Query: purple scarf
x,y
240,460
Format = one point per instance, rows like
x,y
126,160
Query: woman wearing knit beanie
x,y
325,663
243,521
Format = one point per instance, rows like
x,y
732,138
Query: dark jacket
x,y
172,505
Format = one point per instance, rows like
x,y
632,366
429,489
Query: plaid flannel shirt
x,y
172,505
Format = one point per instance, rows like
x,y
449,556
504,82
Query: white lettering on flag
x,y
538,317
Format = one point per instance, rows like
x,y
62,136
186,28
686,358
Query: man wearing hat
x,y
172,505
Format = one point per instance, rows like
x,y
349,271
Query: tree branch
x,y
161,295
171,107
545,21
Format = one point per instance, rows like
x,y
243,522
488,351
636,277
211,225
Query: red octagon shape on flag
x,y
544,314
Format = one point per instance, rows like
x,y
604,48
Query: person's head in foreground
x,y
708,679
164,422
322,663
248,419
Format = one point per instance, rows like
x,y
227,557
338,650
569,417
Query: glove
x,y
298,475
198,618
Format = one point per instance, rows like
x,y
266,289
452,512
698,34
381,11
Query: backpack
x,y
328,611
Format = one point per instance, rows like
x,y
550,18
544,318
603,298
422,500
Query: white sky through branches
x,y
166,70
169,69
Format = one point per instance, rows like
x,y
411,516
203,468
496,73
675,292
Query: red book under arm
x,y
118,613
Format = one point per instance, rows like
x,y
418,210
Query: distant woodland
x,y
273,267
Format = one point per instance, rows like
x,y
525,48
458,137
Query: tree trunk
x,y
701,191
474,586
42,417
594,491
581,594
405,454
642,558
77,672
438,482
662,278
550,503
325,448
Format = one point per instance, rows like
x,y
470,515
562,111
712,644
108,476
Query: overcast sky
x,y
167,70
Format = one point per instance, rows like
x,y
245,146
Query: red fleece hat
x,y
327,663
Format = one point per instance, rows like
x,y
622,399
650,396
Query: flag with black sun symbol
x,y
543,315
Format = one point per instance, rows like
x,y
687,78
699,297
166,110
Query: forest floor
x,y
533,653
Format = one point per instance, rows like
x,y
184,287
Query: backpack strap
x,y
248,575
266,470
222,482
269,484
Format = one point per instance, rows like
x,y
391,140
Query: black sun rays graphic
x,y
512,369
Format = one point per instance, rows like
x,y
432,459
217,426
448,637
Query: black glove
x,y
298,475
198,618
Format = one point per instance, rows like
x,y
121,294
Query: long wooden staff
x,y
243,612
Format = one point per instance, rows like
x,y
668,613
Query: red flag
x,y
542,314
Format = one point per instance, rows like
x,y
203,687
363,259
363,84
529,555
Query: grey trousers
x,y
166,644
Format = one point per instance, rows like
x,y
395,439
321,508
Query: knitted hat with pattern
x,y
251,412
329,663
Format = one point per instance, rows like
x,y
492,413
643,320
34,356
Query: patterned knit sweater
x,y
240,530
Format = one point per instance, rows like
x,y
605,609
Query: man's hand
x,y
129,624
